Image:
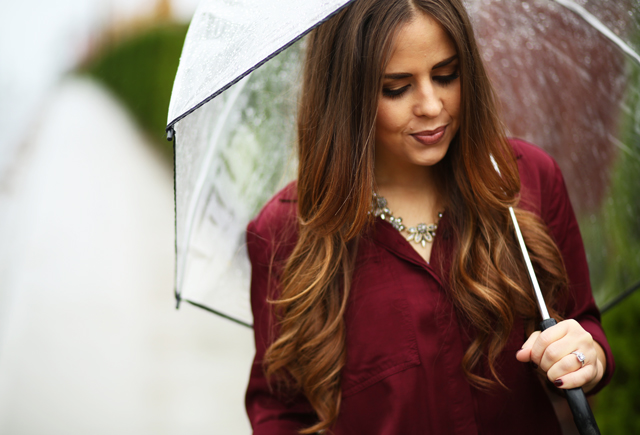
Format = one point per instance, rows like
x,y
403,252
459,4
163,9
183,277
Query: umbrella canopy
x,y
221,175
567,75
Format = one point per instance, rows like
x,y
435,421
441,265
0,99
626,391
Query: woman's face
x,y
419,103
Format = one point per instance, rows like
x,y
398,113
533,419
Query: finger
x,y
578,378
524,354
555,352
566,365
532,338
575,338
547,338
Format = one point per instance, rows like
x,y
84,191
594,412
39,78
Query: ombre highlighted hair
x,y
344,68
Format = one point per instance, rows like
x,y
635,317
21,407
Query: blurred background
x,y
90,341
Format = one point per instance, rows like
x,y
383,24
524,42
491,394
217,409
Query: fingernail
x,y
558,382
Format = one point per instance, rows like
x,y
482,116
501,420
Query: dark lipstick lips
x,y
430,137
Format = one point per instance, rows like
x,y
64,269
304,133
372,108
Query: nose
x,y
428,103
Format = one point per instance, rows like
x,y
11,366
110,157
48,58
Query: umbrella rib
x,y
614,140
211,310
615,301
600,27
202,178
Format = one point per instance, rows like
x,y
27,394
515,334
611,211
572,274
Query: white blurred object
x,y
91,343
42,40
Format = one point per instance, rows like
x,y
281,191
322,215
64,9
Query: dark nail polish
x,y
558,382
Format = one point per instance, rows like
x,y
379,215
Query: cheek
x,y
454,103
387,120
381,122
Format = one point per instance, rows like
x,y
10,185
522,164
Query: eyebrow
x,y
445,62
399,76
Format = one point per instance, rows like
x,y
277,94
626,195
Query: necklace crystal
x,y
420,234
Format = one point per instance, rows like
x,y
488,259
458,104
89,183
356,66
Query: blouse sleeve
x,y
270,413
578,303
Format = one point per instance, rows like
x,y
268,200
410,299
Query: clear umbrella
x,y
232,148
567,74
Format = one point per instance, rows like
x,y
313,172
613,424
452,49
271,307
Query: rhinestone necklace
x,y
420,234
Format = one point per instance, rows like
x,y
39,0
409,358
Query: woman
x,y
369,323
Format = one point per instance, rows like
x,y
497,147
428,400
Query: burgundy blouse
x,y
405,341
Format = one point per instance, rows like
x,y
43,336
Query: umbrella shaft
x,y
532,275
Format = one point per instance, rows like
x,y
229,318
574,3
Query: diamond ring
x,y
580,357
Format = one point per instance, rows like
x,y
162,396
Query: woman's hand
x,y
551,351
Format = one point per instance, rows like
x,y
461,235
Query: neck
x,y
412,195
408,184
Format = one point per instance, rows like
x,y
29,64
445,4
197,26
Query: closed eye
x,y
445,80
394,93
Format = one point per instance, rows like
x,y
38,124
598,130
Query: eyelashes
x,y
445,80
394,93
441,80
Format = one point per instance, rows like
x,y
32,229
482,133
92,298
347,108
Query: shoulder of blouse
x,y
532,157
543,189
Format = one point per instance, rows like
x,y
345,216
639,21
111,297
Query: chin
x,y
432,158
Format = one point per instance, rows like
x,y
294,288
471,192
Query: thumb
x,y
524,354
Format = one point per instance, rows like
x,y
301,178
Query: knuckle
x,y
554,373
553,354
568,365
533,337
545,339
536,357
572,322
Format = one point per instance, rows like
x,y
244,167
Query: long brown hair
x,y
345,63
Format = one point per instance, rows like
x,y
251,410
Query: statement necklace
x,y
420,234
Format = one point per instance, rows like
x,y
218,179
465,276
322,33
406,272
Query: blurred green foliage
x,y
617,407
140,71
614,250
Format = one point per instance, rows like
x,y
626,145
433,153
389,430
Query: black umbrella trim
x,y
171,136
622,296
250,70
204,307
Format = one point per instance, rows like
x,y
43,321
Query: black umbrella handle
x,y
582,415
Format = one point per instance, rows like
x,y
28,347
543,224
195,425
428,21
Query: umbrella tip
x,y
178,300
170,134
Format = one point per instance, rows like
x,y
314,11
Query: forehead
x,y
421,41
